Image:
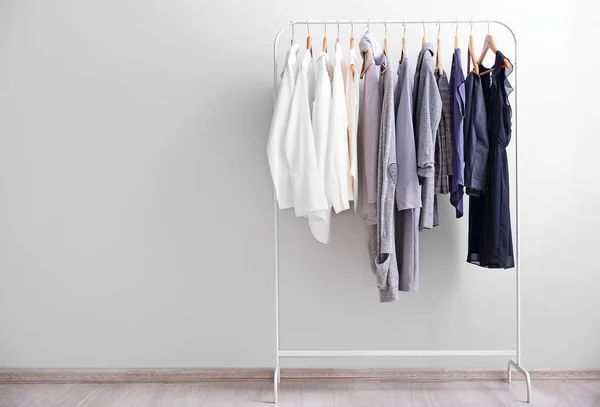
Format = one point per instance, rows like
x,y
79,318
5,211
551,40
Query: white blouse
x,y
306,182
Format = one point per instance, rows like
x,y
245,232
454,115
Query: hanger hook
x,y
488,23
456,34
308,28
293,31
424,32
338,28
471,31
439,27
404,31
385,29
352,28
325,24
368,25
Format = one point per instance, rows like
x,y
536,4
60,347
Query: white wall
x,y
136,225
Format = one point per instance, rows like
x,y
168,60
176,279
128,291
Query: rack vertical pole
x,y
517,363
277,372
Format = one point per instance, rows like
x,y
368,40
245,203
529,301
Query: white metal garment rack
x,y
516,362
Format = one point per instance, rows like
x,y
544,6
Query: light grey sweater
x,y
383,252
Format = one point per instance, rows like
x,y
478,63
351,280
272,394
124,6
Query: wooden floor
x,y
297,393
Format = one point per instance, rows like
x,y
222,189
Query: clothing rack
x,y
296,353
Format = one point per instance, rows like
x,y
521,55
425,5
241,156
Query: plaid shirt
x,y
427,111
443,145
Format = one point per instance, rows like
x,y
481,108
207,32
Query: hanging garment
x,y
337,176
369,128
344,68
457,96
319,221
495,247
280,171
408,190
443,144
383,253
476,156
306,182
352,116
426,118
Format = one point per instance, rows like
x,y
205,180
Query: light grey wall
x,y
136,224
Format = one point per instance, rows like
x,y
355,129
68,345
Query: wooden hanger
x,y
325,39
293,34
353,66
385,42
403,43
472,57
368,60
308,40
424,34
490,44
438,56
456,45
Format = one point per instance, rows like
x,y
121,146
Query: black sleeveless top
x,y
490,231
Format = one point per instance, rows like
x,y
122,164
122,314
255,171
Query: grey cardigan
x,y
383,253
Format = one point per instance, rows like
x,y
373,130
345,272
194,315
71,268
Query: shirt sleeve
x,y
371,119
280,172
387,169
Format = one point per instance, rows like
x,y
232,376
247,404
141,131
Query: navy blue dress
x,y
490,231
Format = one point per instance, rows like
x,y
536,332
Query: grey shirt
x,y
408,190
426,119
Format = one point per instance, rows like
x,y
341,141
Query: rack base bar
x,y
511,364
368,353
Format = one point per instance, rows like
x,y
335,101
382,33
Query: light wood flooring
x,y
303,393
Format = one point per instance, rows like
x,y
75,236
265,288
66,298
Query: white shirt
x,y
352,99
306,182
319,220
280,171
